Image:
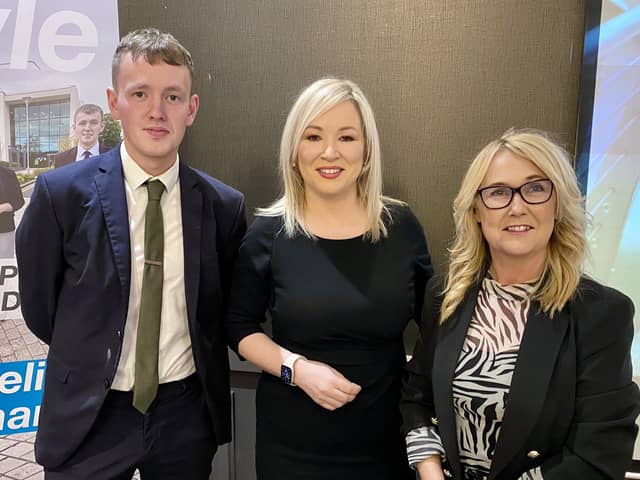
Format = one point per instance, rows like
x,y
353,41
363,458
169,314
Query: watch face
x,y
286,374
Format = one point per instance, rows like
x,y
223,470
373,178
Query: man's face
x,y
155,106
87,127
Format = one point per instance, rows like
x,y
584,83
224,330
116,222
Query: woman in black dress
x,y
341,269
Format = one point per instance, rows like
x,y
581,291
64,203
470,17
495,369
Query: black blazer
x,y
571,400
73,253
10,192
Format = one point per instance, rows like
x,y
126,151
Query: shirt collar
x,y
135,176
518,292
95,150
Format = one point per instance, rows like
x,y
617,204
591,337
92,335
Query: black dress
x,y
345,303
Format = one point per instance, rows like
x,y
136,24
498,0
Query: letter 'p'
x,y
6,272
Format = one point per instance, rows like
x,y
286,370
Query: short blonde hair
x,y
469,257
88,109
153,46
316,99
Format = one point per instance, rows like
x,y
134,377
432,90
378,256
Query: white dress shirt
x,y
95,150
175,357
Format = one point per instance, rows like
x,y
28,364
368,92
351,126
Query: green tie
x,y
148,337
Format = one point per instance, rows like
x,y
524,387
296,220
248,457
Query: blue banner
x,y
21,385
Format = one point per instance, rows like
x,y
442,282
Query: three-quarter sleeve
x,y
251,284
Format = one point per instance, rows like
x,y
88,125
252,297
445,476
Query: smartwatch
x,y
286,369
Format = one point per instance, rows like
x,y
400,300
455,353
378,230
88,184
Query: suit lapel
x,y
70,157
110,187
539,349
452,335
191,200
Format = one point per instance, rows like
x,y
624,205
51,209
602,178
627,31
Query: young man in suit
x,y
125,262
88,124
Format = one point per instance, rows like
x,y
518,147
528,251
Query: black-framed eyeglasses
x,y
501,196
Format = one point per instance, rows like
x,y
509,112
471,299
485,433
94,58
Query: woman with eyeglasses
x,y
522,369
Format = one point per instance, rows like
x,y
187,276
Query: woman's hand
x,y
6,208
430,468
325,385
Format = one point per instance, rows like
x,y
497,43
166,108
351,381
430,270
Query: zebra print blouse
x,y
482,379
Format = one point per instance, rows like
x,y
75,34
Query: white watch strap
x,y
289,361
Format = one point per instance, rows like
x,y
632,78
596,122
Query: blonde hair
x,y
88,109
469,257
154,47
316,99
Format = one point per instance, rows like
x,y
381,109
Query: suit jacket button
x,y
434,420
107,383
533,454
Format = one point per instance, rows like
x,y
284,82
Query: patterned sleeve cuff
x,y
424,442
533,474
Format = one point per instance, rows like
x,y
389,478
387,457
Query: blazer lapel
x,y
539,349
452,335
110,187
191,197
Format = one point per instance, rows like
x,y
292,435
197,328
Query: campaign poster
x,y
55,60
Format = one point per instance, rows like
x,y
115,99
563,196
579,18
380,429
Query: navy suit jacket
x,y
572,405
73,253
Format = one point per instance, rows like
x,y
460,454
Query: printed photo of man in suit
x,y
88,124
125,262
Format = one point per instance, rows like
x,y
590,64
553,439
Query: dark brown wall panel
x,y
444,78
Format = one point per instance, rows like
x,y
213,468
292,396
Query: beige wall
x,y
444,78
